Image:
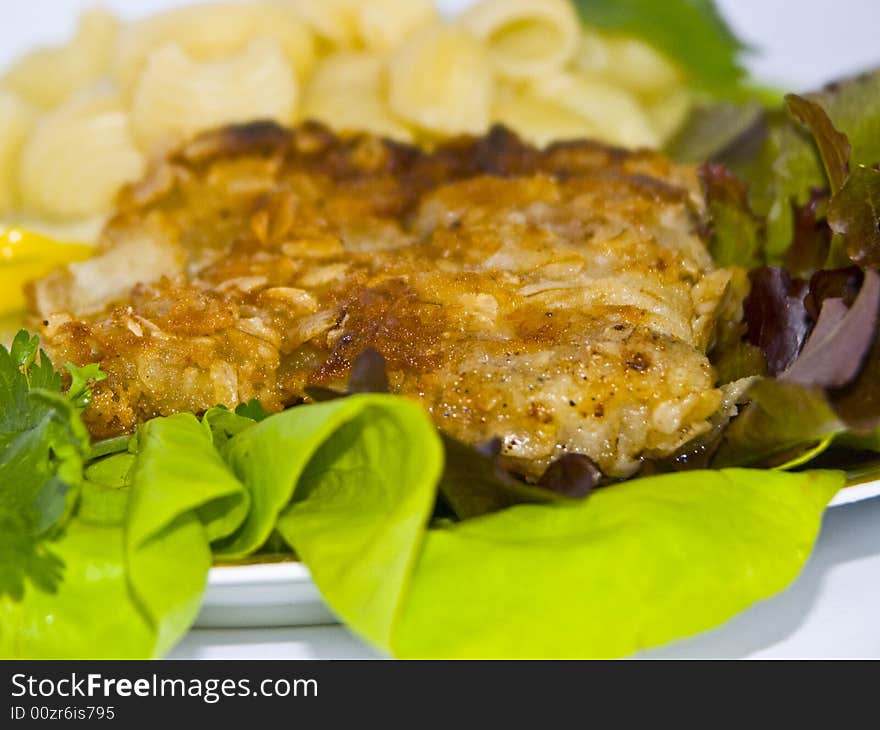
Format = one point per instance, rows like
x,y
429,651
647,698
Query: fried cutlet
x,y
560,299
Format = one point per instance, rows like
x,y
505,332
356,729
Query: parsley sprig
x,y
43,445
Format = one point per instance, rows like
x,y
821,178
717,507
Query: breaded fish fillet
x,y
559,299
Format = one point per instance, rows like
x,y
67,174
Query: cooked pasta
x,y
638,67
609,108
178,96
390,67
77,157
441,81
593,54
214,32
348,70
526,38
537,119
668,112
333,21
47,76
384,24
347,91
16,117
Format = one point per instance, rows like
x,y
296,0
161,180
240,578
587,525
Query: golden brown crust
x,y
560,299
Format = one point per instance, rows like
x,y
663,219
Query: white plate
x,y
283,594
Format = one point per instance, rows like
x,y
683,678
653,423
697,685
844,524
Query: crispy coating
x,y
560,299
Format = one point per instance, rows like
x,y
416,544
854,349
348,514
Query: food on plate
x,y
176,96
560,298
526,39
394,67
76,157
470,381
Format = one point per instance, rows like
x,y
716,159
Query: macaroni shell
x,y
384,24
77,158
178,96
213,32
441,81
526,38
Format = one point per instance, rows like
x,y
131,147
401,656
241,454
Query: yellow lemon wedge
x,y
24,256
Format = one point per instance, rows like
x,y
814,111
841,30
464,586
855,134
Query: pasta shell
x,y
346,92
638,67
47,76
669,112
177,96
441,81
526,38
348,70
212,32
384,24
593,54
333,21
539,121
616,114
77,158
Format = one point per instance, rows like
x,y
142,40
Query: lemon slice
x,y
24,256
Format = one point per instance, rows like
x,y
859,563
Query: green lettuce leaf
x,y
656,559
271,457
781,421
632,567
737,234
713,131
92,614
690,32
854,214
183,498
137,551
833,147
378,476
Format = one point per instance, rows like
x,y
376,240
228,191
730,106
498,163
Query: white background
x,y
833,610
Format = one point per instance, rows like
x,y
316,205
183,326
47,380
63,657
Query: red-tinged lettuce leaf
x,y
834,147
811,242
475,483
572,475
854,214
737,237
776,317
368,373
858,403
831,387
842,284
834,353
